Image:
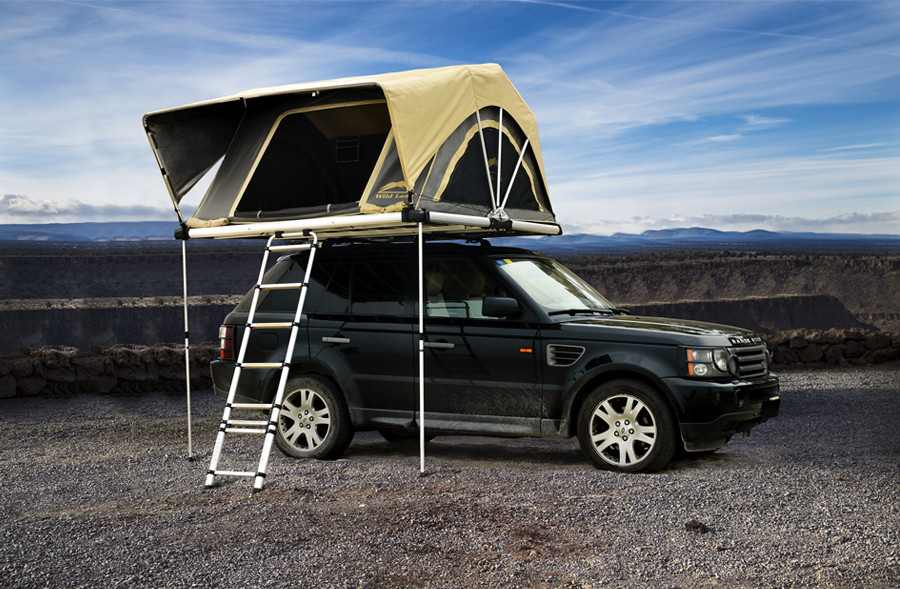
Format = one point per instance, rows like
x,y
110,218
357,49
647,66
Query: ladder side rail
x,y
259,481
232,389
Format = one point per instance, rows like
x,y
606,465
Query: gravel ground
x,y
97,491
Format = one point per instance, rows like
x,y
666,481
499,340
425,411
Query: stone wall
x,y
132,368
126,368
91,326
803,348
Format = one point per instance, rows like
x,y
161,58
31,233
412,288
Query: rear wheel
x,y
626,426
314,421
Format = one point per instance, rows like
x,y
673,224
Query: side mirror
x,y
500,307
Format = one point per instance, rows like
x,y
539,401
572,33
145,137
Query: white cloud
x,y
856,147
15,208
758,123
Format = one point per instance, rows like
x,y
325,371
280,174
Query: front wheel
x,y
626,426
314,421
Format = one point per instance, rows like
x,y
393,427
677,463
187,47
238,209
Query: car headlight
x,y
709,362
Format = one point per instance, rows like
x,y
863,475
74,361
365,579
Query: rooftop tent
x,y
352,154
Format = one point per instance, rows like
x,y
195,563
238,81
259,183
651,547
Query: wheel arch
x,y
586,385
305,368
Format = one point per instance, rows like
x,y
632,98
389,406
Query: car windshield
x,y
554,287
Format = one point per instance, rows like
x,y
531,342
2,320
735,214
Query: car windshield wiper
x,y
582,312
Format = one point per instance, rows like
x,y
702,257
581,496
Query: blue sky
x,y
731,115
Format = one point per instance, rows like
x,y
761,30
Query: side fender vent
x,y
561,355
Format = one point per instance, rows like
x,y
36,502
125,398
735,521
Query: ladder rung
x,y
281,286
269,365
260,406
250,422
234,473
243,430
286,248
276,325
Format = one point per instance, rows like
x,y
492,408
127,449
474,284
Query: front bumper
x,y
713,412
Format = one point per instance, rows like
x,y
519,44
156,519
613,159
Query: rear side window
x,y
365,286
289,270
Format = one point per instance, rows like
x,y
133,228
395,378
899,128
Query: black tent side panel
x,y
189,142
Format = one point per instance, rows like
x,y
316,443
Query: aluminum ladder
x,y
256,426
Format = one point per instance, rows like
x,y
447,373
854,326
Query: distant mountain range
x,y
137,232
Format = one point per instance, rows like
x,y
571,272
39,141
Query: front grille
x,y
562,355
753,361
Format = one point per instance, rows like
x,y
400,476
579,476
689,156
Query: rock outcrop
x,y
132,368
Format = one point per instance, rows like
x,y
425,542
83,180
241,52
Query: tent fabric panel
x,y
428,105
365,118
280,147
387,190
302,167
188,143
237,165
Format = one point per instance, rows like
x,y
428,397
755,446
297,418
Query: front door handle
x,y
336,340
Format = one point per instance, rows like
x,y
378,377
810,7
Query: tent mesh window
x,y
311,160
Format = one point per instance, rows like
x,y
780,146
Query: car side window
x,y
365,287
456,287
284,301
377,288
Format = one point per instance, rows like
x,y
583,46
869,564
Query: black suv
x,y
516,345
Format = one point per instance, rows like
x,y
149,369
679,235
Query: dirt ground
x,y
98,491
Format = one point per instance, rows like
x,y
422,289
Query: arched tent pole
x,y
499,158
487,164
514,174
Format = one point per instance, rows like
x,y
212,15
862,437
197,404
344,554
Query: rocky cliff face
x,y
868,286
764,315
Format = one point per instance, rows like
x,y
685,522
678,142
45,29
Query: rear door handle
x,y
336,340
439,345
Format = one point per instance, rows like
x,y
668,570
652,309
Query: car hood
x,y
663,328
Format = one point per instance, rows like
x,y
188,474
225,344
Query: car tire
x,y
626,426
314,421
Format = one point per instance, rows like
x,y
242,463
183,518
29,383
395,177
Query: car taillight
x,y
226,342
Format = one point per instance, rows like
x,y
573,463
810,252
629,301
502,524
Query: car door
x,y
363,333
481,373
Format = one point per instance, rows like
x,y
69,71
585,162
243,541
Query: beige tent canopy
x,y
455,147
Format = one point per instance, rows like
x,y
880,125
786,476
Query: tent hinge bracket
x,y
501,224
182,232
414,216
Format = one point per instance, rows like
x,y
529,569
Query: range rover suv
x,y
515,345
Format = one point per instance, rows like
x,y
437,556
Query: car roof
x,y
482,248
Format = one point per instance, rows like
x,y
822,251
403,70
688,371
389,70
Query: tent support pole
x,y
187,348
421,353
514,174
499,159
487,165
